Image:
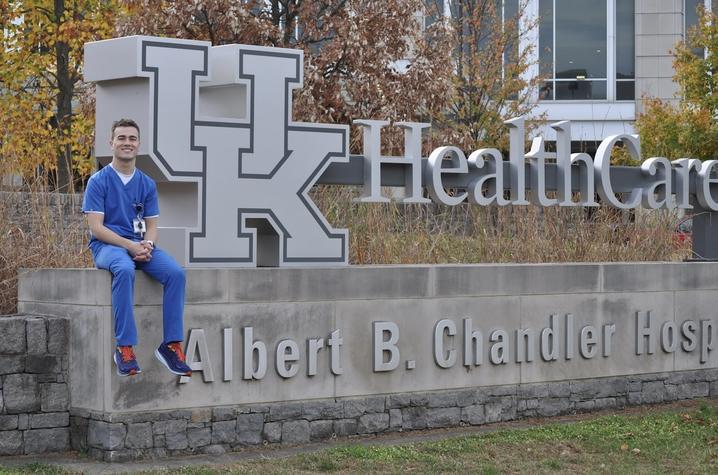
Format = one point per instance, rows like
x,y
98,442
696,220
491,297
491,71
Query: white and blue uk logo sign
x,y
216,122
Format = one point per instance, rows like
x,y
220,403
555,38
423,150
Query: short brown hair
x,y
125,123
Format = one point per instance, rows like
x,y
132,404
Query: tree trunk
x,y
63,113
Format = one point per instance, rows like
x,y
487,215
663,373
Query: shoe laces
x,y
176,348
126,353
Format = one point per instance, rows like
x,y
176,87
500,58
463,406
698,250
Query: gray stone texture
x,y
321,430
13,340
106,436
603,403
443,399
201,415
12,364
40,441
653,392
48,420
58,335
224,432
8,422
413,418
249,429
21,393
23,421
223,413
139,436
395,419
295,432
314,410
199,437
473,415
687,390
597,388
443,417
345,427
373,423
272,432
54,397
466,397
36,336
492,411
283,411
174,434
158,440
43,364
176,437
553,406
78,433
11,442
397,401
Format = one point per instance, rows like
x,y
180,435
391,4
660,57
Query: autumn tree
x,y
363,58
390,59
47,118
489,80
688,128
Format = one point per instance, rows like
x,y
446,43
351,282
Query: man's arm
x,y
150,235
106,235
151,231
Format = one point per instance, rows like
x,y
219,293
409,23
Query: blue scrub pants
x,y
163,268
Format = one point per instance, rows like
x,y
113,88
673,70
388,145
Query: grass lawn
x,y
661,441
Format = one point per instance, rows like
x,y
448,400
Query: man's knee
x,y
177,274
123,270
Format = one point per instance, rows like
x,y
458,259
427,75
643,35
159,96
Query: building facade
x,y
599,58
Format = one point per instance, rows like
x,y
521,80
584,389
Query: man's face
x,y
125,143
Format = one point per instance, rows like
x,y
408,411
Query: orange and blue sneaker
x,y
126,362
172,356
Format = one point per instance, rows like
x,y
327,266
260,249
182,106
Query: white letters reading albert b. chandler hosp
x,y
220,118
234,170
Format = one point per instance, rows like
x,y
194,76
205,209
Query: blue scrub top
x,y
120,203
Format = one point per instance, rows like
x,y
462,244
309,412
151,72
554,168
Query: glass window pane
x,y
625,90
511,8
546,38
692,13
580,38
691,19
625,47
511,23
580,90
546,91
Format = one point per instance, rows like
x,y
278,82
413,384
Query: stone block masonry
x,y
34,394
130,436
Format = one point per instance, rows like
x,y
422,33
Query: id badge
x,y
138,224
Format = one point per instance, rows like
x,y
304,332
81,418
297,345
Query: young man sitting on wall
x,y
121,207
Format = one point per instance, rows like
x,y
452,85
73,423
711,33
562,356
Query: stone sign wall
x,y
34,400
295,355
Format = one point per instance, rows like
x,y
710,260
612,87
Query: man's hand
x,y
140,251
148,248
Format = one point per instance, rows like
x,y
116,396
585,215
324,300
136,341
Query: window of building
x,y
625,51
575,54
510,13
690,20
